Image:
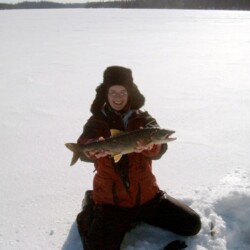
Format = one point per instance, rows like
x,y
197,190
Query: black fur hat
x,y
117,75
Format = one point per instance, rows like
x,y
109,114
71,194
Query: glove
x,y
175,245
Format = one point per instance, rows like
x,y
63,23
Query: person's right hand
x,y
97,153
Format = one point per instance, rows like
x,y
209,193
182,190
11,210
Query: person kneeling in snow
x,y
125,193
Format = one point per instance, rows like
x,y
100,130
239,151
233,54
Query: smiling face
x,y
117,97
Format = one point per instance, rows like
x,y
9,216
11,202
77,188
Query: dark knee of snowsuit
x,y
189,222
85,217
175,216
193,228
195,225
88,200
107,228
99,229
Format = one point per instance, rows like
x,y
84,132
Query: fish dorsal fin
x,y
115,132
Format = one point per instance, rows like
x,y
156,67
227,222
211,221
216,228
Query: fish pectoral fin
x,y
114,132
117,157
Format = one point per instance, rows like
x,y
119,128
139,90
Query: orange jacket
x,y
130,182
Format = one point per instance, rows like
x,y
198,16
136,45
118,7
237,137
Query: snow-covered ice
x,y
193,68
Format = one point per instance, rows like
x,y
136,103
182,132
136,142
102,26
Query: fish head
x,y
162,135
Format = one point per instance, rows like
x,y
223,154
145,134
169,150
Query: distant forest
x,y
138,4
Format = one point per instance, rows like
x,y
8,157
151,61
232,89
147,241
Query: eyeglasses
x,y
120,95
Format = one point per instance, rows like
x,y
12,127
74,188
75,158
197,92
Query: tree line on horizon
x,y
137,4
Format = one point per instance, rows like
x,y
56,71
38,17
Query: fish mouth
x,y
168,136
168,139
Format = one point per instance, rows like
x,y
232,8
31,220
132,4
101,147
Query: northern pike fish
x,y
121,143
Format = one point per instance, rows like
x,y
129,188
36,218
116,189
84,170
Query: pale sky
x,y
58,1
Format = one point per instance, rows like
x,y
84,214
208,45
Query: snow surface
x,y
193,68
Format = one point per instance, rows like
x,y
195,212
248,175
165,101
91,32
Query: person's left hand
x,y
141,147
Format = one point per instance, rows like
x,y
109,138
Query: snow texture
x,y
193,68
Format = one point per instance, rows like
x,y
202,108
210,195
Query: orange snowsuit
x,y
130,182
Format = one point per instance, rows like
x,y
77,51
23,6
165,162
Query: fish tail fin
x,y
75,158
73,147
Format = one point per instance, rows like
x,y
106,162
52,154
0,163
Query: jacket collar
x,y
106,109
